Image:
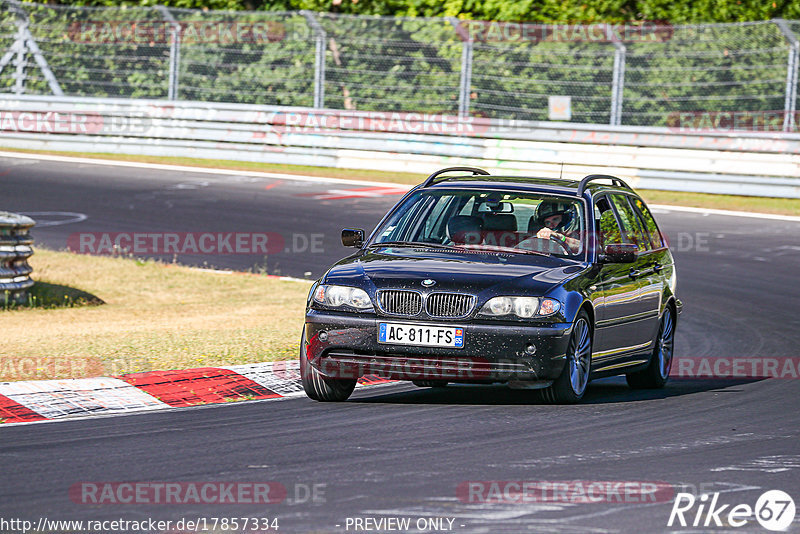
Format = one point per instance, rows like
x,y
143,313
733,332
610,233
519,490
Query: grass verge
x,y
130,315
780,206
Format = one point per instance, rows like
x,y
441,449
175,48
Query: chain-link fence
x,y
621,75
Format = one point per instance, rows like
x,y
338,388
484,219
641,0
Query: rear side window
x,y
631,228
649,223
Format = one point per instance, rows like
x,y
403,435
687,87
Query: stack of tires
x,y
15,249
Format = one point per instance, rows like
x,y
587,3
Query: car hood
x,y
470,271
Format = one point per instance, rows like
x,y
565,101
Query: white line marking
x,y
766,464
663,208
319,179
185,168
72,217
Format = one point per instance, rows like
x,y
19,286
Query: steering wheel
x,y
562,244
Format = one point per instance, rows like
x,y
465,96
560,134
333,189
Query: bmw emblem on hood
x,y
428,282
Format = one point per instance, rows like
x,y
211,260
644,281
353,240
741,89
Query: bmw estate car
x,y
537,283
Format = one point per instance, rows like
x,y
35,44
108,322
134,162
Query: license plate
x,y
415,334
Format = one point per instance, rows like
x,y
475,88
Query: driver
x,y
557,220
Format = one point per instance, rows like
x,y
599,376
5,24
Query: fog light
x,y
531,348
323,336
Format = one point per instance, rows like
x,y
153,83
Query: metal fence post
x,y
25,43
465,77
319,59
20,62
174,52
465,81
790,101
617,79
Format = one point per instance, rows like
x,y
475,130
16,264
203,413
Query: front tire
x,y
318,386
571,385
656,374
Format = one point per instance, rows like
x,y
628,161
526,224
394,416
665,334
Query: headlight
x,y
523,307
338,296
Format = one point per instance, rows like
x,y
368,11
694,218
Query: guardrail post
x,y
174,52
15,249
790,101
319,58
617,79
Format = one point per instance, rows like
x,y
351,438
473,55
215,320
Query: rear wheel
x,y
571,385
656,374
320,387
430,383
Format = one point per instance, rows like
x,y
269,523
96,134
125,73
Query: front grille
x,y
399,302
450,304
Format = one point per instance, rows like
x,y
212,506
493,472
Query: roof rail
x,y
473,170
616,181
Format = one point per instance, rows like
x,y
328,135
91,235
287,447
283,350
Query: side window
x,y
400,228
434,222
649,223
607,223
631,229
468,208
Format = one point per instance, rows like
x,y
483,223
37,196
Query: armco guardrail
x,y
636,74
732,162
15,249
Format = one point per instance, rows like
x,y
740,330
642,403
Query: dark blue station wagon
x,y
538,283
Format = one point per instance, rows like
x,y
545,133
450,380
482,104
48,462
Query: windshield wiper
x,y
498,248
410,244
476,247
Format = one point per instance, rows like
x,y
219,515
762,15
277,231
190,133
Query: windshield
x,y
520,223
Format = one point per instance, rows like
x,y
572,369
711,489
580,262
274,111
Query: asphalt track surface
x,y
399,451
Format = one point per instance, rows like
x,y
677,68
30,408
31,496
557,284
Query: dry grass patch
x,y
153,316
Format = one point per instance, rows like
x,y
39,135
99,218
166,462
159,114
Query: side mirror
x,y
620,253
353,237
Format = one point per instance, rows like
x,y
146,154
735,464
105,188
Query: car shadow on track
x,y
602,391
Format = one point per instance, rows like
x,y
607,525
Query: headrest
x,y
464,229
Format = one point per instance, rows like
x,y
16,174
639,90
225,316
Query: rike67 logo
x,y
774,510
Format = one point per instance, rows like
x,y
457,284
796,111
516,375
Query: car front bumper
x,y
349,348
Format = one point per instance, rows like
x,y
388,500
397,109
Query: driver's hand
x,y
544,233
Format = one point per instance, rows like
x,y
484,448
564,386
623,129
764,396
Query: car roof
x,y
558,186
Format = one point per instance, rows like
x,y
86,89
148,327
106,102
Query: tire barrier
x,y
15,249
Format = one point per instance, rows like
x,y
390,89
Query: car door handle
x,y
634,273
